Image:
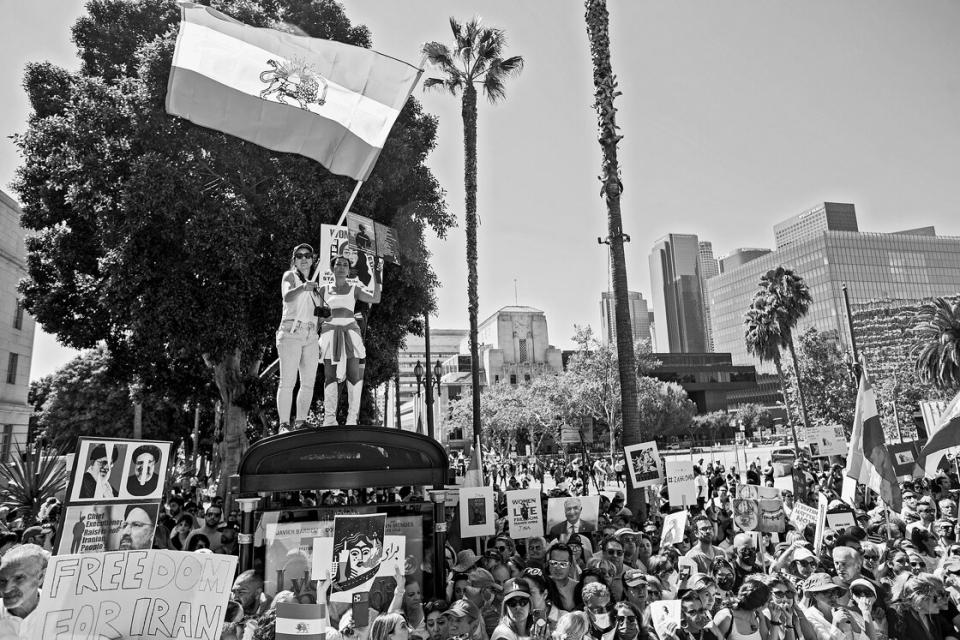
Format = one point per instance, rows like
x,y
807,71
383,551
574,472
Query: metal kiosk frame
x,y
342,458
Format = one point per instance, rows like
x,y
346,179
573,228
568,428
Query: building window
x,y
18,316
526,377
513,378
523,349
496,378
6,442
12,363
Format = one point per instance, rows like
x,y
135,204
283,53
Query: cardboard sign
x,y
824,441
476,512
674,525
152,593
681,488
644,464
523,512
802,515
580,512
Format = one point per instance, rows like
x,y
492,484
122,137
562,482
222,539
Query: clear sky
x,y
735,115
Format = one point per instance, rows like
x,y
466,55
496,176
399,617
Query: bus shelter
x,y
342,458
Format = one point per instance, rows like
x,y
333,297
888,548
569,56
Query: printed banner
x,y
110,470
830,440
523,511
150,594
370,237
476,512
95,528
573,514
643,462
682,490
334,242
674,525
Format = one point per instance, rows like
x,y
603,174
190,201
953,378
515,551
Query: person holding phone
x,y
516,619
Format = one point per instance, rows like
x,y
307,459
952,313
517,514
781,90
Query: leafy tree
x,y
938,352
754,417
475,60
712,427
664,408
826,379
605,91
167,240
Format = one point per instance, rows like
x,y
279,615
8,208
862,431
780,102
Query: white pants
x,y
299,349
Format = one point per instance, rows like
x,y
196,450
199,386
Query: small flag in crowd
x,y
946,436
474,475
301,621
329,101
869,462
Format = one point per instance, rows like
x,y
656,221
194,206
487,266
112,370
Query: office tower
x,y
739,257
708,269
677,294
826,216
639,317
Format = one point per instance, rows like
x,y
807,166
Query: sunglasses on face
x,y
862,592
783,594
628,619
560,564
871,558
303,256
518,602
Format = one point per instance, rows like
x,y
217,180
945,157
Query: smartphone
x,y
361,609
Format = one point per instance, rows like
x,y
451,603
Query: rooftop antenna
x,y
516,296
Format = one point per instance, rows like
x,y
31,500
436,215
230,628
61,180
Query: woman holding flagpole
x,y
297,337
341,343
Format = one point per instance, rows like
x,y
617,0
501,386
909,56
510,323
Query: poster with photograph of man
x,y
98,470
643,462
476,512
145,470
373,238
95,528
573,514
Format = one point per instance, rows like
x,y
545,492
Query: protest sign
x,y
674,525
772,518
109,469
358,548
95,528
371,237
827,440
802,515
686,567
476,512
822,503
643,463
379,582
573,514
682,490
841,520
904,456
746,514
334,243
290,552
150,594
756,492
523,513
662,612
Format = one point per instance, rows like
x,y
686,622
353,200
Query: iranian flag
x,y
301,621
329,101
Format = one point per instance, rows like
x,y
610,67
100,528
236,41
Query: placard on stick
x,y
476,512
523,513
681,488
644,464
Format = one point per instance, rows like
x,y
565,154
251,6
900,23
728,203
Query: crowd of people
x,y
892,575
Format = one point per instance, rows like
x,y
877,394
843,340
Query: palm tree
x,y
938,348
789,297
475,61
763,337
29,479
605,90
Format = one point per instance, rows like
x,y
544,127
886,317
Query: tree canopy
x,y
166,240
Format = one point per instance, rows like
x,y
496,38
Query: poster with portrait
x,y
523,513
107,469
380,587
96,528
674,526
663,612
644,465
334,242
681,489
573,514
827,440
476,512
373,238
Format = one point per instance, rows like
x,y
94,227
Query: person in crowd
x,y
463,621
248,591
543,598
628,622
559,560
703,552
743,619
695,620
389,626
516,620
573,625
723,572
210,528
635,588
435,619
744,556
21,576
486,594
820,598
597,605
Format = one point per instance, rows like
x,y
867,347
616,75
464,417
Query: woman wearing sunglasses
x,y
341,343
543,598
516,619
297,336
918,610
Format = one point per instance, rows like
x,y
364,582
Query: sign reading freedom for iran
x,y
150,594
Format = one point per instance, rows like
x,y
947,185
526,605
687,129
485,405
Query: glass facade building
x,y
826,216
639,317
906,265
677,293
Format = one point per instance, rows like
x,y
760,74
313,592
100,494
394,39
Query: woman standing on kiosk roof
x,y
341,343
297,337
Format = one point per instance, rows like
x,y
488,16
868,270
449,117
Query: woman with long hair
x,y
297,336
341,343
628,621
572,626
918,609
516,621
543,598
743,620
389,626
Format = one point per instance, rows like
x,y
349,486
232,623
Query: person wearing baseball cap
x,y
484,591
463,619
516,620
635,588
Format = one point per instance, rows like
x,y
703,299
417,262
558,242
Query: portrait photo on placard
x,y
643,463
145,469
99,471
96,528
573,514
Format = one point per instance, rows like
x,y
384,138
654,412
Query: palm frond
x,y
30,478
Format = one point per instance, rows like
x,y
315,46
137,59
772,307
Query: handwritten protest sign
x,y
149,594
681,488
802,515
523,513
643,461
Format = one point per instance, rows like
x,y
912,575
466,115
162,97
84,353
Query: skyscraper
x,y
677,294
740,257
639,317
708,268
826,216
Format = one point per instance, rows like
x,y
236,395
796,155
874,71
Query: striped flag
x,y
945,436
329,101
474,475
301,621
869,462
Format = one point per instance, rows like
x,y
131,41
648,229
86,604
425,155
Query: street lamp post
x,y
437,374
427,386
418,373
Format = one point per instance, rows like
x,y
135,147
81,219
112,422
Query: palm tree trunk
x,y
796,373
786,404
469,113
605,85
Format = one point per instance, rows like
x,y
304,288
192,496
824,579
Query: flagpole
x,y
346,209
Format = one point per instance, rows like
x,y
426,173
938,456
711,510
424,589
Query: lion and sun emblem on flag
x,y
295,83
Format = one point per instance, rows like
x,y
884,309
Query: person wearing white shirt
x,y
21,575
